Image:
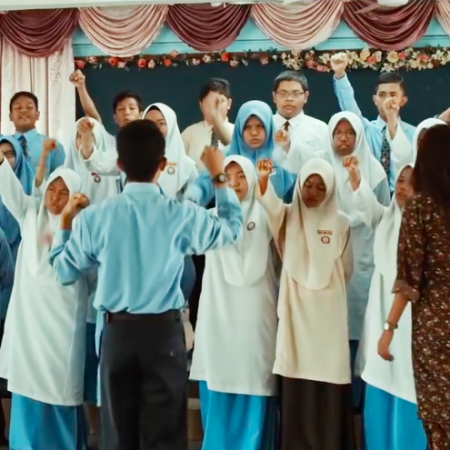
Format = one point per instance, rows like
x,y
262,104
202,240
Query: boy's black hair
x,y
390,78
291,75
26,94
124,95
218,85
141,148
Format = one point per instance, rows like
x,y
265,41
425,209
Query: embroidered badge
x,y
251,226
171,170
325,239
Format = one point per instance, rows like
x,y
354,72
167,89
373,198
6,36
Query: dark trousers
x,y
143,382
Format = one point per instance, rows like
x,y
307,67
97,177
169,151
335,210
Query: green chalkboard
x,y
428,90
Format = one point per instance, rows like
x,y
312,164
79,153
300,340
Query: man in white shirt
x,y
300,136
214,129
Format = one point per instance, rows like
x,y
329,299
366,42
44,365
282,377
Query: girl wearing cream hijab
x,y
43,350
312,352
390,411
236,330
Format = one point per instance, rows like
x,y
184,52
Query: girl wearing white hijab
x,y
42,354
420,131
236,330
180,168
97,188
347,138
390,412
312,352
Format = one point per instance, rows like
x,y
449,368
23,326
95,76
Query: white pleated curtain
x,y
48,79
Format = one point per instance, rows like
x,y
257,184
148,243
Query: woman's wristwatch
x,y
220,178
388,326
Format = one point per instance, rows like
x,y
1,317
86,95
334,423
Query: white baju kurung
x,y
235,335
43,349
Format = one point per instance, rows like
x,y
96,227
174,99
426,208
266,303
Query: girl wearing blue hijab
x,y
12,150
253,137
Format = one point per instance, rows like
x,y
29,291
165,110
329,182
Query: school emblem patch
x,y
251,226
97,178
325,239
171,170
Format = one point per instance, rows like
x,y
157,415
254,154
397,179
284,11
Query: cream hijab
x,y
428,123
371,169
386,237
312,234
245,262
180,167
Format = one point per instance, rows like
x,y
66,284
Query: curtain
x,y
298,26
123,31
207,28
48,79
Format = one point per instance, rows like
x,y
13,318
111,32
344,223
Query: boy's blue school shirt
x,y
374,129
201,190
34,142
139,240
6,274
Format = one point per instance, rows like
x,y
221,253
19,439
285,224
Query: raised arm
x,y
6,273
342,87
48,146
71,254
101,162
57,157
79,81
13,195
219,122
364,200
209,232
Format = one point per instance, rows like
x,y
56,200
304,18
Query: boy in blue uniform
x,y
139,240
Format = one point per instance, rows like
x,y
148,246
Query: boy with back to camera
x,y
139,240
389,138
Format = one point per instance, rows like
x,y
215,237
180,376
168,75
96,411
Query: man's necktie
x,y
214,139
385,153
286,126
23,143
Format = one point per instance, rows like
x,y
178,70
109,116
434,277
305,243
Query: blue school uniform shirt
x,y
139,240
374,129
201,191
6,274
25,175
33,142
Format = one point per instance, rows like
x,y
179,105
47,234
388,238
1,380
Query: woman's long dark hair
x,y
431,175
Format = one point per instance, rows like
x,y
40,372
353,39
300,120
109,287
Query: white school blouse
x,y
236,331
43,349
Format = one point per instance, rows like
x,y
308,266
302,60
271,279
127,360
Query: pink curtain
x,y
123,31
207,28
38,33
298,26
443,15
389,28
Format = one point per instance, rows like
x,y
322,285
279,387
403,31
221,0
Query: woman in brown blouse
x,y
423,278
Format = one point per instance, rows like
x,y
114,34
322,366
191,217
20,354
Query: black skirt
x,y
316,416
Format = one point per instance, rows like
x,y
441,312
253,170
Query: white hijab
x,y
312,234
245,262
180,167
48,224
425,125
371,169
386,237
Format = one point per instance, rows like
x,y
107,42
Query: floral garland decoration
x,y
408,59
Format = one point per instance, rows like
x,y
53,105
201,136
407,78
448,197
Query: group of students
x,y
288,272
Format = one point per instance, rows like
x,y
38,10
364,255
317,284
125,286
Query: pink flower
x,y
80,64
424,57
121,64
264,60
142,62
311,64
151,64
195,61
113,61
371,60
206,58
234,63
402,56
225,57
174,53
167,62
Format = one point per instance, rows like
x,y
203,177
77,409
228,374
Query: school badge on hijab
x,y
97,177
251,226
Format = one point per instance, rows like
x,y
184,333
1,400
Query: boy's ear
x,y
162,164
